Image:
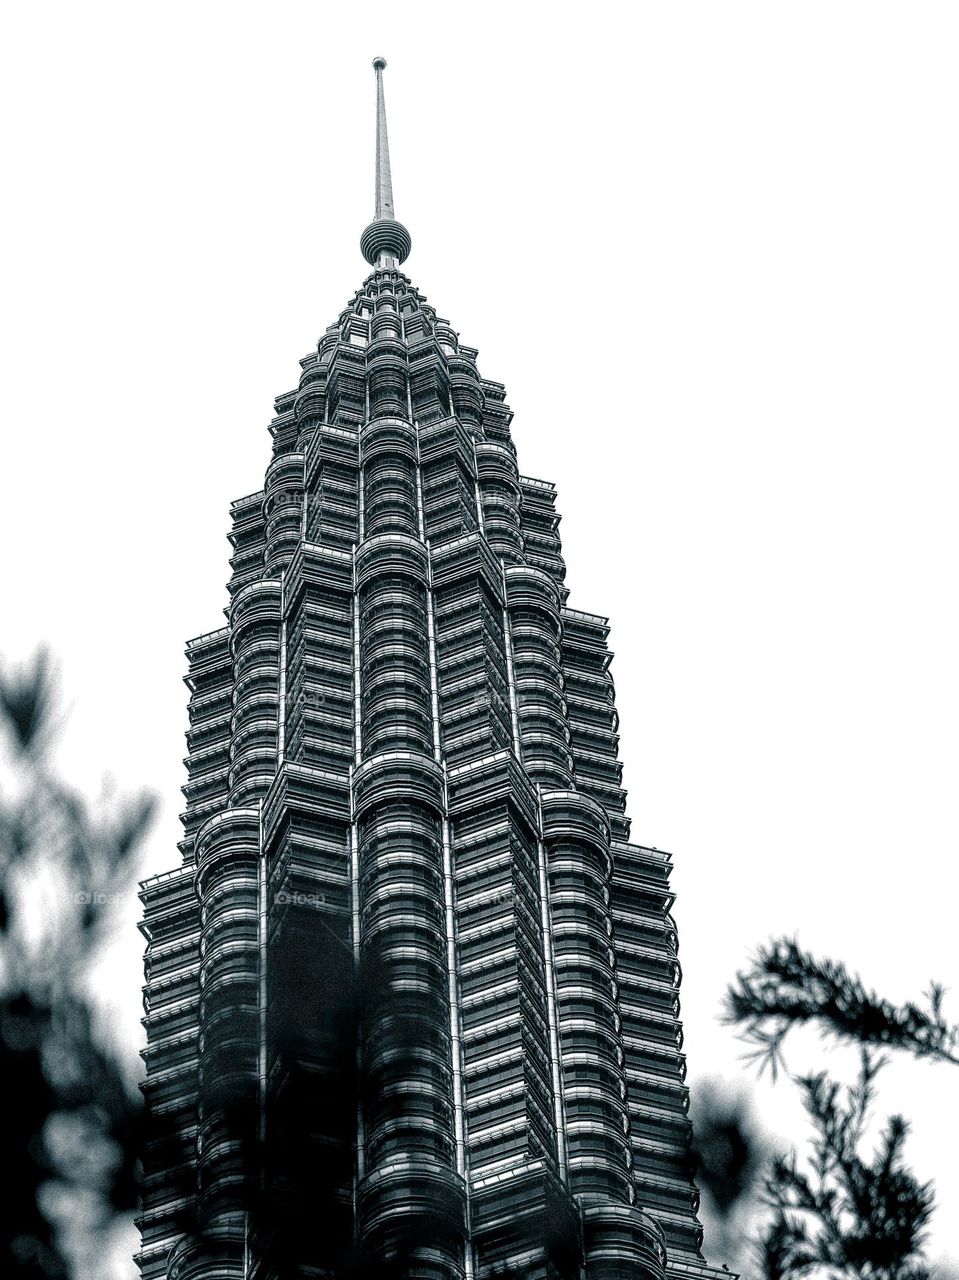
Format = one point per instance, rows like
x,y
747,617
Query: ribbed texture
x,y
405,800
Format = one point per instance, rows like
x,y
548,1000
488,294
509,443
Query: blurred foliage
x,y
835,1211
729,1156
72,1130
76,1127
786,987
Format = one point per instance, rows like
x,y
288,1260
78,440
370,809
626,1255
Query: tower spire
x,y
384,180
385,242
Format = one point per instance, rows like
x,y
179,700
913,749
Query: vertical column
x,y
500,497
387,365
255,642
648,973
592,715
310,1080
309,1068
411,1201
392,582
576,834
515,1158
532,600
227,881
170,1000
282,510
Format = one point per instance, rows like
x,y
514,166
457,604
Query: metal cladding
x,y
412,996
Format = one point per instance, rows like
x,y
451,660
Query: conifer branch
x,y
787,987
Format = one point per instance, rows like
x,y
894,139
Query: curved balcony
x,y
468,398
539,675
309,407
446,337
546,757
284,481
385,324
397,775
500,501
592,1174
400,724
390,502
402,679
533,603
422,1134
572,815
255,692
542,718
387,554
389,1051
400,658
255,718
408,932
396,641
577,837
621,1240
219,1254
503,534
256,602
398,798
538,640
399,708
588,936
530,588
408,864
388,473
497,464
253,770
391,1064
394,895
411,1201
259,654
232,923
591,1000
387,485
256,681
392,597
583,1035
282,539
541,691
232,830
385,340
314,372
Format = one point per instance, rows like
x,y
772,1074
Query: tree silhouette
x,y
837,1211
73,1123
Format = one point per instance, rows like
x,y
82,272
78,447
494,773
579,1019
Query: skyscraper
x,y
412,996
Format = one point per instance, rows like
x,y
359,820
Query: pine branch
x,y
787,987
842,1213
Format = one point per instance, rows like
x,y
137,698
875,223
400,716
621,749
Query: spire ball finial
x,y
385,242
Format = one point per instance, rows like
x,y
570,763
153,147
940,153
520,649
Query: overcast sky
x,y
710,249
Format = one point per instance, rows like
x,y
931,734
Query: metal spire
x,y
384,181
385,242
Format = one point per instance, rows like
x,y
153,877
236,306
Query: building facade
x,y
412,995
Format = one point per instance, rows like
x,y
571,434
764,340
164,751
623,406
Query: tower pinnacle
x,y
385,242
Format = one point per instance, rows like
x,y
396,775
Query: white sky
x,y
710,249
